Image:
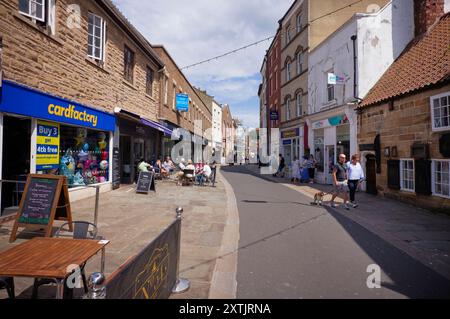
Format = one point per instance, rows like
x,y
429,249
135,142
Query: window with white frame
x,y
288,109
299,104
40,11
299,23
330,88
440,111
300,62
441,178
407,175
34,9
166,89
288,71
96,37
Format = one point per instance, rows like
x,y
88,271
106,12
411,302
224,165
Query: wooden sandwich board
x,y
146,183
45,199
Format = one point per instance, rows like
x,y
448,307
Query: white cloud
x,y
197,30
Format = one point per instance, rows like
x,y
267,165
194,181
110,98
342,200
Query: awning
x,y
157,126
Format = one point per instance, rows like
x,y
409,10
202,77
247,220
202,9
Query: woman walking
x,y
311,168
295,170
355,177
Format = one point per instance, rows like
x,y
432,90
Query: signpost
x,y
182,102
146,183
45,199
274,116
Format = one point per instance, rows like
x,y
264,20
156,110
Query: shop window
x,y
96,37
440,111
407,175
319,149
84,156
441,178
128,64
393,174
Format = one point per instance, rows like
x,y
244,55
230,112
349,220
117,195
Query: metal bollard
x,y
182,284
96,286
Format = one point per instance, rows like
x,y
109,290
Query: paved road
x,y
290,249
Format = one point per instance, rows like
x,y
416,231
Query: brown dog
x,y
318,198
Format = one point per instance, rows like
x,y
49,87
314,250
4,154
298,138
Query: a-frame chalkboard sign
x,y
146,183
45,199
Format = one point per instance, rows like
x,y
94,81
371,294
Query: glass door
x,y
330,161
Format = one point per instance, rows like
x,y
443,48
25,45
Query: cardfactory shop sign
x,y
18,99
71,112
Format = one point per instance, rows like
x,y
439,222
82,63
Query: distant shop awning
x,y
157,126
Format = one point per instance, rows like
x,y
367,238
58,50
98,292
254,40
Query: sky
x,y
196,30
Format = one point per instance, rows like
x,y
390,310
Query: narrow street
x,y
290,249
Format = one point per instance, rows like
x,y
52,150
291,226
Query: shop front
x,y
292,144
331,137
45,134
139,138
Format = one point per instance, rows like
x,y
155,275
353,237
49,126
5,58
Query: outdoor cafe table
x,y
49,258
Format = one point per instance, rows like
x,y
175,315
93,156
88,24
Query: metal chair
x,y
189,176
8,284
81,230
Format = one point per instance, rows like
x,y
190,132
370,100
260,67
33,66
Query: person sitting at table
x,y
190,166
143,166
205,174
168,165
159,168
180,174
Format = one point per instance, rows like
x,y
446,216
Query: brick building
x,y
194,122
404,121
80,70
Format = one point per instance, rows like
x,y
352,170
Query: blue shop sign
x,y
182,101
287,142
18,99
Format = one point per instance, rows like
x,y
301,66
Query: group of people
x,y
163,168
200,172
302,171
347,176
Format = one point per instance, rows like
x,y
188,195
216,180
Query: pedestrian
x,y
355,177
311,168
340,181
281,166
295,170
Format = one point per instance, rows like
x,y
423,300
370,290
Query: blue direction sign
x,y
182,102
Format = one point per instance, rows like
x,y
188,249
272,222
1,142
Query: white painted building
x,y
358,53
217,130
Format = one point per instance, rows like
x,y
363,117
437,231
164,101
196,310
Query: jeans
x,y
353,186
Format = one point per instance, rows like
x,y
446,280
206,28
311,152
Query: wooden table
x,y
49,258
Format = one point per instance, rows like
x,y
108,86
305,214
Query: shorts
x,y
341,187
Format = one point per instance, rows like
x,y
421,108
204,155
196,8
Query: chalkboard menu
x,y
116,168
39,201
145,182
45,199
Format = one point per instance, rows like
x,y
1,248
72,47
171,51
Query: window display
x,y
84,156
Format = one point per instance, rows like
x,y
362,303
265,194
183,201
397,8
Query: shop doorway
x,y
371,174
16,159
330,160
288,154
125,160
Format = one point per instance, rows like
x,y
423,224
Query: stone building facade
x,y
404,123
80,68
198,119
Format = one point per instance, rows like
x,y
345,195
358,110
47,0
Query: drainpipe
x,y
355,61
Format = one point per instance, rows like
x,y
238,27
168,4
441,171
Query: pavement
x,y
420,233
131,221
291,249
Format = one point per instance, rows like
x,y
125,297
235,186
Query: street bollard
x,y
96,286
97,197
182,284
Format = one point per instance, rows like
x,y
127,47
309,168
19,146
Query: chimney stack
x,y
426,13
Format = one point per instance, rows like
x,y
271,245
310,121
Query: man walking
x,y
340,181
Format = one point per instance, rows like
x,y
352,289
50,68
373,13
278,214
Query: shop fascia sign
x,y
332,121
291,133
18,99
335,79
